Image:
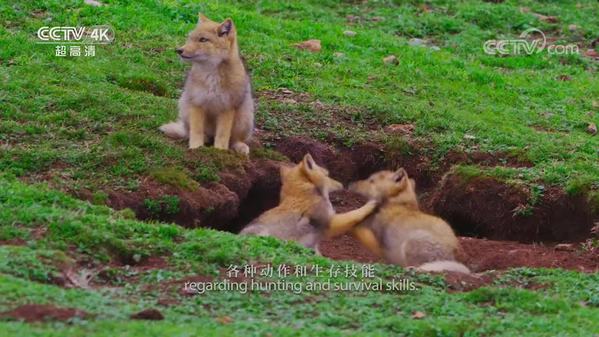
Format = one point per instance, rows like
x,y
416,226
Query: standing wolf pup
x,y
399,231
305,213
216,101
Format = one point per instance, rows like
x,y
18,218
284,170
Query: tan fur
x,y
216,101
305,213
399,231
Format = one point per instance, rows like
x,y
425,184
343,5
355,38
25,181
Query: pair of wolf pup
x,y
391,224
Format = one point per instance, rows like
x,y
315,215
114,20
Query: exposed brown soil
x,y
485,207
481,255
42,312
148,314
239,194
13,242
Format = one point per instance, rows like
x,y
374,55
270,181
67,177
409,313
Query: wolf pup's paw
x,y
241,148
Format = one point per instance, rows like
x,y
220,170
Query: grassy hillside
x,y
90,123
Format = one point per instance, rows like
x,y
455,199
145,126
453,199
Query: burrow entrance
x,y
480,207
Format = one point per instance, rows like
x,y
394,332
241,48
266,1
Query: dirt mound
x,y
148,314
238,196
43,312
484,254
481,255
474,206
345,164
485,207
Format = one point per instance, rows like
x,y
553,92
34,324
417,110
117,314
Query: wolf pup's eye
x,y
203,39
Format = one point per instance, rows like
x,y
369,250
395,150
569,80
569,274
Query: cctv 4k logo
x,y
76,35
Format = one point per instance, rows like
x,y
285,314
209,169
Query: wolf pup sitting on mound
x,y
399,231
216,101
305,213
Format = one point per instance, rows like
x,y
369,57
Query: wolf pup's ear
x,y
202,18
399,174
308,162
225,28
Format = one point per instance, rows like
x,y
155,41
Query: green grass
x,y
103,120
90,123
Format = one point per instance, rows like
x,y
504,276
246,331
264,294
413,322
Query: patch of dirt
x,y
43,312
217,205
13,242
485,207
148,314
481,255
344,164
346,247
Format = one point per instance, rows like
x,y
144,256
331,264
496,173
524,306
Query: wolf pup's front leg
x,y
224,124
368,239
197,119
341,223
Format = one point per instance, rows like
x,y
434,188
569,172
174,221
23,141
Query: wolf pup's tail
x,y
174,129
444,265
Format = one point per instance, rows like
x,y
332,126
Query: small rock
x,y
404,129
564,78
93,3
338,54
416,42
592,129
591,53
352,18
148,314
418,315
566,247
469,137
225,320
286,91
572,28
425,8
435,48
349,33
546,18
310,45
391,59
377,19
287,100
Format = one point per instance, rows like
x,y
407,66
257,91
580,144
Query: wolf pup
x,y
216,102
399,231
305,213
